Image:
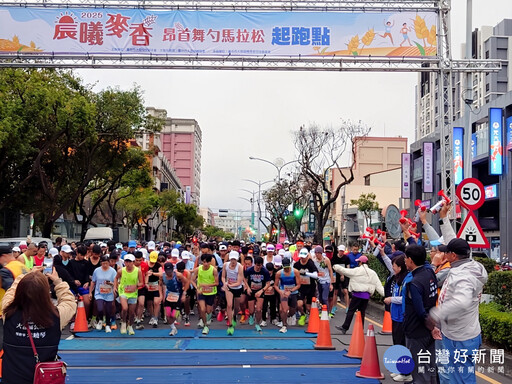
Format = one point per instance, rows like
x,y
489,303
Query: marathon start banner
x,y
274,34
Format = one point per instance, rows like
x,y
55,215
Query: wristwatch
x,y
441,221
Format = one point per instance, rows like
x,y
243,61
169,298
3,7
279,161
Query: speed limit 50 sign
x,y
471,193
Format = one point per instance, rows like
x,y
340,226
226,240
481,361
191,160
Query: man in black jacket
x,y
420,295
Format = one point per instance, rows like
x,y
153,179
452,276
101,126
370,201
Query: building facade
x,y
492,90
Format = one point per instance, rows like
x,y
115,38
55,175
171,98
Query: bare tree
x,y
320,152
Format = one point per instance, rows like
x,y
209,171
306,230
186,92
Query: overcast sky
x,y
252,113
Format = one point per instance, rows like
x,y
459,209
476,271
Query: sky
x,y
253,113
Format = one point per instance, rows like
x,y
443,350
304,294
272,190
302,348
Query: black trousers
x,y
269,301
398,333
356,304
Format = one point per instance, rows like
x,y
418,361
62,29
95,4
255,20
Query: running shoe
x,y
341,329
220,316
247,312
243,319
283,329
258,328
200,324
230,331
186,319
99,325
393,374
334,309
233,323
302,320
107,329
251,320
208,318
130,330
275,321
113,325
403,378
206,330
93,323
192,312
139,325
279,324
228,323
155,322
263,323
174,331
72,326
123,328
331,315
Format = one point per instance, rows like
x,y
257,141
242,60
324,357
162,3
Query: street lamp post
x,y
259,184
252,203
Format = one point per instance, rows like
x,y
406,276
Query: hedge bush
x,y
499,284
378,267
496,325
488,263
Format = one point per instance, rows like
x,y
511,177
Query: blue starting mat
x,y
195,333
135,344
191,359
213,375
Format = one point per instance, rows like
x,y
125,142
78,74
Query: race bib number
x,y
288,287
153,286
305,280
232,281
172,297
269,291
130,288
321,274
206,289
105,289
256,286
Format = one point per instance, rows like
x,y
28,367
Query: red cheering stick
x,y
403,219
412,224
444,200
415,234
421,208
377,242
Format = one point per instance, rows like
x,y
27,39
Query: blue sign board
x,y
495,141
474,141
458,154
508,123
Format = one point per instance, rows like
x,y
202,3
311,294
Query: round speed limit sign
x,y
471,193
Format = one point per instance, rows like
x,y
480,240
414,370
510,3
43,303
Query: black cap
x,y
168,266
5,249
286,262
204,245
458,246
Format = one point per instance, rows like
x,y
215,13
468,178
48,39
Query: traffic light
x,y
298,212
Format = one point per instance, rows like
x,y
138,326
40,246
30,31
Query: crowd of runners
x,y
135,285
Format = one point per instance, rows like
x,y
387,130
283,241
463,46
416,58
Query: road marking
x,y
243,350
70,337
246,366
480,375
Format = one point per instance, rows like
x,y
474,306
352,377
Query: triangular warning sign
x,y
472,232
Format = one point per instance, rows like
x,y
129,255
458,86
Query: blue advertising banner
x,y
508,124
201,33
495,141
458,154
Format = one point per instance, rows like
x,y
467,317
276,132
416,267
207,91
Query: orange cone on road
x,y
387,325
370,367
314,319
356,347
323,340
80,318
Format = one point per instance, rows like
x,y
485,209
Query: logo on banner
x,y
398,359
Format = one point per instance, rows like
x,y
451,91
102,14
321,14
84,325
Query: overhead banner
x,y
458,154
428,167
406,175
200,33
495,141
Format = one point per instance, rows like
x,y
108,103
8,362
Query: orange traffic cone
x,y
356,347
314,319
370,367
323,340
387,327
80,318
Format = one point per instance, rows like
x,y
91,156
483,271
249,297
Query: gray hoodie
x,y
457,312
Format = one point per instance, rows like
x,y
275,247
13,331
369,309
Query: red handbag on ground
x,y
50,372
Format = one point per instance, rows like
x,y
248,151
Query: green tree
x,y
56,136
366,204
187,219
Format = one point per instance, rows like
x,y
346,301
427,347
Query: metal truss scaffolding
x,y
442,64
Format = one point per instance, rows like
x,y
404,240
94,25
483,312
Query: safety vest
x,y
16,268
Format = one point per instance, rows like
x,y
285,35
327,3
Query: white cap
x,y
341,247
234,255
281,252
185,255
145,253
286,242
54,251
222,247
278,260
151,246
271,248
103,245
16,249
175,252
287,255
129,257
66,249
303,253
22,243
